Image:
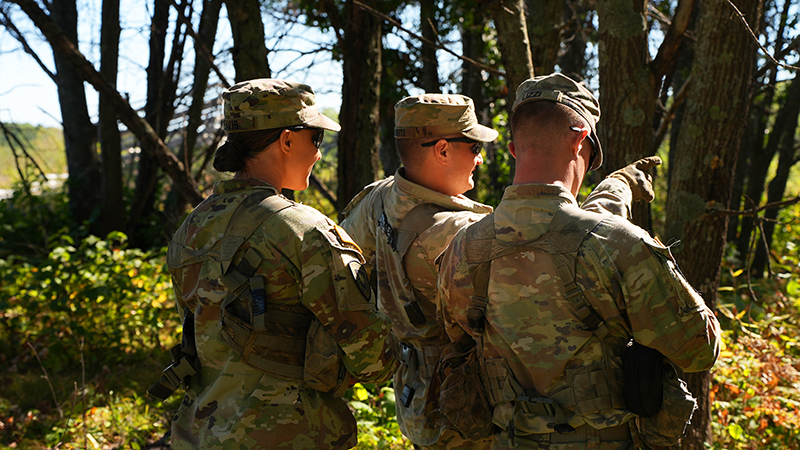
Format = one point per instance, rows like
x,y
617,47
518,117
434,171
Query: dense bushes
x,y
84,324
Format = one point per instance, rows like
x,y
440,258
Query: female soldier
x,y
284,318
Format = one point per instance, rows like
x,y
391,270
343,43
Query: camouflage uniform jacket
x,y
396,196
628,278
307,266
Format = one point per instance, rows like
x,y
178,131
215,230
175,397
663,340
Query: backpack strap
x,y
566,233
564,236
251,212
400,238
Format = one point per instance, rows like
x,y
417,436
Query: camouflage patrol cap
x,y
430,115
562,89
266,103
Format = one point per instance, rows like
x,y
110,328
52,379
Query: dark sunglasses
x,y
476,146
316,138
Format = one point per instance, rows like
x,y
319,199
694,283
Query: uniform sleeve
x,y
359,222
452,284
665,312
611,196
336,289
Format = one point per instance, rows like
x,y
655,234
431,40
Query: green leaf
x,y
736,431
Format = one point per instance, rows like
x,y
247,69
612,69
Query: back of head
x,y
258,110
424,118
573,99
543,128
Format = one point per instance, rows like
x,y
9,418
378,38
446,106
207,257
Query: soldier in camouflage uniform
x,y
404,222
284,318
553,381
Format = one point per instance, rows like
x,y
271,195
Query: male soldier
x,y
404,222
551,293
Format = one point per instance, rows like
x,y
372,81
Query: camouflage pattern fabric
x,y
310,262
267,103
629,278
396,196
432,115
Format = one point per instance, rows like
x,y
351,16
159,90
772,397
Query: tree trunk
x,y
629,89
209,20
705,161
83,163
430,65
761,157
394,73
147,173
472,85
359,115
515,50
544,21
783,132
249,49
112,212
151,143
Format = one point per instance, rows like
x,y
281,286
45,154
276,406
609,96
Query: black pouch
x,y
643,369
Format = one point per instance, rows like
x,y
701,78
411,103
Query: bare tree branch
x,y
755,38
677,100
200,46
151,143
323,189
6,21
665,59
397,24
753,212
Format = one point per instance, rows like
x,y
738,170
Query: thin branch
x,y
755,38
25,46
200,46
323,189
753,212
46,377
677,100
397,24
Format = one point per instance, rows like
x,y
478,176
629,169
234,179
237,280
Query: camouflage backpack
x,y
282,341
660,423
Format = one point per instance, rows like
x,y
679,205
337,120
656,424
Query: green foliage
x,y
28,223
756,383
81,330
375,410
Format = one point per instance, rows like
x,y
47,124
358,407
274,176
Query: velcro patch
x,y
361,278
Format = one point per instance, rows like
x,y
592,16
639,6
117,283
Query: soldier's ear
x,y
441,151
285,140
512,149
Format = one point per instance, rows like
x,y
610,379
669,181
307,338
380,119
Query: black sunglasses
x,y
316,138
476,146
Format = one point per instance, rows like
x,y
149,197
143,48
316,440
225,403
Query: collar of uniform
x,y
539,190
227,186
459,203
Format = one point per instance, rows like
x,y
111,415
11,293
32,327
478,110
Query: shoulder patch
x,y
345,238
361,278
